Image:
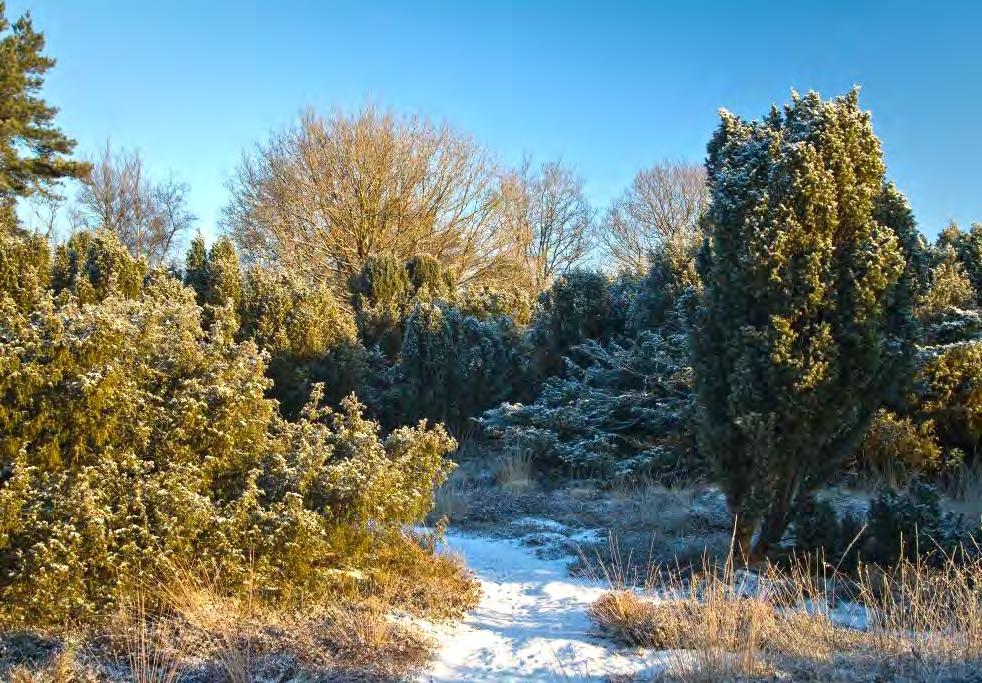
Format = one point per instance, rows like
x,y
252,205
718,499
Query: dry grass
x,y
422,582
923,621
60,668
516,472
452,499
965,493
199,628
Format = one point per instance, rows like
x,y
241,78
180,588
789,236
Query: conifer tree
x,y
25,269
971,256
224,275
804,323
196,267
95,265
32,150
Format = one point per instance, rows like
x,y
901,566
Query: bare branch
x,y
149,218
662,206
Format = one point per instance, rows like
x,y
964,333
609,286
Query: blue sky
x,y
608,87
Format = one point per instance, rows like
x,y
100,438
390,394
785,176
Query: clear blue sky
x,y
608,87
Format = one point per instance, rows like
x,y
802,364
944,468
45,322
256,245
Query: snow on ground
x,y
531,624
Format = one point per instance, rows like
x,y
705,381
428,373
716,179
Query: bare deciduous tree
x,y
149,218
662,207
321,197
549,217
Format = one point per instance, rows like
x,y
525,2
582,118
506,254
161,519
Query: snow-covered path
x,y
531,624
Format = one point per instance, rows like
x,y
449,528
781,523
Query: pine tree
x,y
803,327
32,150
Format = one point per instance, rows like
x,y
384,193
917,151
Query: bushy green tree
x,y
487,302
578,307
428,279
453,366
25,268
802,329
310,336
95,265
33,151
947,287
216,277
968,247
385,292
223,275
657,298
196,268
971,255
950,394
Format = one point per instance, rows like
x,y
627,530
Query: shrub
x,y
895,447
819,527
578,307
624,414
310,336
453,366
906,523
130,442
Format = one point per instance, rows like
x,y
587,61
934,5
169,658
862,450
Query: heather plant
x,y
803,328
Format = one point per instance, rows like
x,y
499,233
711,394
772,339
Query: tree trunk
x,y
774,524
743,532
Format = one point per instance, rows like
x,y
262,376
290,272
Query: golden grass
x,y
198,626
923,620
59,669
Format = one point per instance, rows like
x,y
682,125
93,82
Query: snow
x,y
531,624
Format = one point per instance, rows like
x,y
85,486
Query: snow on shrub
x,y
131,442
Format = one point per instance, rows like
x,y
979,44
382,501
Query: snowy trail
x,y
531,624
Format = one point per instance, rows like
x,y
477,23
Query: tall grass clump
x,y
920,620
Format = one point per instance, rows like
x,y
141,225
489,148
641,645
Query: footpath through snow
x,y
531,624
